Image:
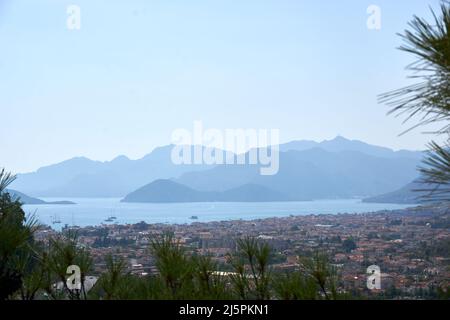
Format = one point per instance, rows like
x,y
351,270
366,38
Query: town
x,y
410,246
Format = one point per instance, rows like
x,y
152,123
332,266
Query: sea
x,y
95,211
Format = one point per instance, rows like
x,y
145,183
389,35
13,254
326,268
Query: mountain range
x,y
313,174
337,168
412,193
25,199
170,191
82,177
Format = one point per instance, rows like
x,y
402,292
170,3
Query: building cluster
x,y
410,246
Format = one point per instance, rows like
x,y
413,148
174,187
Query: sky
x,y
137,70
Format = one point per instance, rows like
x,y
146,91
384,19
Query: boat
x,y
193,218
56,220
111,218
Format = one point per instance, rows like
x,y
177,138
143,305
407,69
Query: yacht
x,y
56,220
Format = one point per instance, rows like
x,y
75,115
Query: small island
x,y
25,199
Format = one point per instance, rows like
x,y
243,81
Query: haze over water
x,y
94,211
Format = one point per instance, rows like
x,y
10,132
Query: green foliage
x,y
436,173
430,44
15,240
429,98
295,286
32,271
323,273
252,274
443,294
174,266
182,275
349,245
209,284
113,279
64,251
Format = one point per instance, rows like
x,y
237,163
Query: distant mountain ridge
x,y
167,191
335,168
82,177
313,174
342,144
408,194
16,195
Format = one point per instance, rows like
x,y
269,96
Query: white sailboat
x,y
56,219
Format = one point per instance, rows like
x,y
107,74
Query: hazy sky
x,y
138,70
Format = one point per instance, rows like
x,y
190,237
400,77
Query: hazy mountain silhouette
x,y
16,195
313,174
161,191
82,177
342,144
308,170
407,194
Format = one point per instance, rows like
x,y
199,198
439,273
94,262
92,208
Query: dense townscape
x,y
411,246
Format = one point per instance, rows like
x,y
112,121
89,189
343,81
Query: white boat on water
x,y
56,219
